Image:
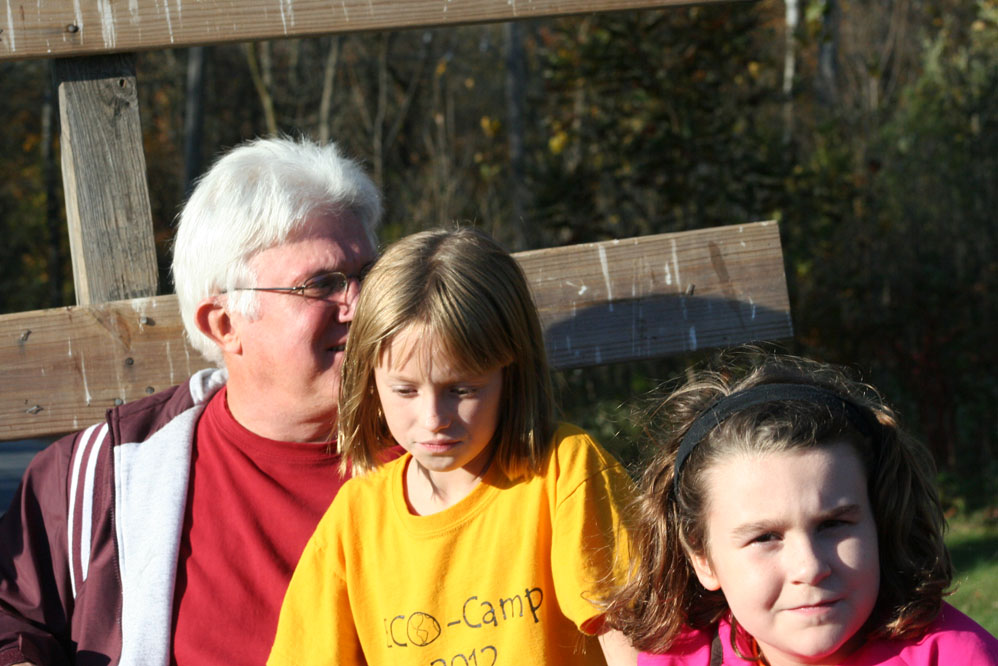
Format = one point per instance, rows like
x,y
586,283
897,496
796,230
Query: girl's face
x,y
444,416
792,544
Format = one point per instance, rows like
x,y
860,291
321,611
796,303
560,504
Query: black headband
x,y
720,411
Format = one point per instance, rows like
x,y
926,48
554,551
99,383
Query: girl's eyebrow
x,y
762,526
840,511
754,528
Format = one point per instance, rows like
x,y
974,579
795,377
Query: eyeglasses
x,y
321,287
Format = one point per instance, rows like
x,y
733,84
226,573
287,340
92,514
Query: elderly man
x,y
167,534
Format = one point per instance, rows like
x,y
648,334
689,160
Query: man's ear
x,y
213,320
704,571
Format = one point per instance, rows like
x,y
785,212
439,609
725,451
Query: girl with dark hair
x,y
785,520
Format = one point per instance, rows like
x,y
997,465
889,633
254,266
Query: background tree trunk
x,y
827,91
53,222
261,74
328,86
516,92
193,117
789,68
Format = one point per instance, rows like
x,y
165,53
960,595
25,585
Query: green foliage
x,y
973,544
25,258
608,401
654,121
905,261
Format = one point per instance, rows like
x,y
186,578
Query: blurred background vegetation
x,y
868,128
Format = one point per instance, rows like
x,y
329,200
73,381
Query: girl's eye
x,y
404,391
464,391
832,524
766,538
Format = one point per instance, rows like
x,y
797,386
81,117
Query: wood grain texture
x,y
55,28
104,178
61,369
660,295
636,298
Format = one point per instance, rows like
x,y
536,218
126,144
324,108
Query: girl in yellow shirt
x,y
486,542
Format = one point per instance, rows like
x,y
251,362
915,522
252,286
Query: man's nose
x,y
348,304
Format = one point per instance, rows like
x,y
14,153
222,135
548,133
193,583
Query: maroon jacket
x,y
88,548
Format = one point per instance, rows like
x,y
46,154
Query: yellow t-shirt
x,y
502,577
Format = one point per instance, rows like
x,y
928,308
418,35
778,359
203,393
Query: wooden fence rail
x,y
635,298
60,28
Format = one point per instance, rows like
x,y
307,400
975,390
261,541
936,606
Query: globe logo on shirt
x,y
422,629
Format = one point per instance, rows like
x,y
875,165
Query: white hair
x,y
252,199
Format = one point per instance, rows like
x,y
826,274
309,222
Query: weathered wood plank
x,y
60,369
104,178
645,297
63,27
660,295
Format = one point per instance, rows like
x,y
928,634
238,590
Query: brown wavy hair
x,y
662,592
463,288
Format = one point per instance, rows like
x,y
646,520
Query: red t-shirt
x,y
252,505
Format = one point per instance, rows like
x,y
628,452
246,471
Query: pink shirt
x,y
952,640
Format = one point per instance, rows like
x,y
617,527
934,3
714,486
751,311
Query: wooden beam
x,y
620,300
660,295
64,367
104,178
56,28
